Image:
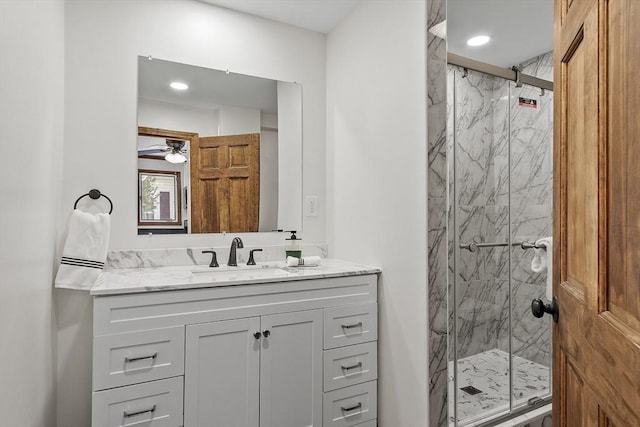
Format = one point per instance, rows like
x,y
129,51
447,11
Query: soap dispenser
x,y
293,245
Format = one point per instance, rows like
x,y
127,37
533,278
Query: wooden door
x,y
596,342
221,374
225,184
291,370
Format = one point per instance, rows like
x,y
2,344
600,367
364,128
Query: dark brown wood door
x,y
225,184
596,342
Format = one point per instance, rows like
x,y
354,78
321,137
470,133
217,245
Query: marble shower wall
x,y
488,116
437,215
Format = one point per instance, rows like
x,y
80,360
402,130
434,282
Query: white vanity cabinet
x,y
223,373
260,371
290,353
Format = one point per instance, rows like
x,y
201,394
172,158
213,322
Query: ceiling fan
x,y
173,151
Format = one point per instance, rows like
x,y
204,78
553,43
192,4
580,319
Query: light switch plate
x,y
311,206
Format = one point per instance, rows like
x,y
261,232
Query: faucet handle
x,y
214,258
251,260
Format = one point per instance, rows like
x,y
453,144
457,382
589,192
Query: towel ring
x,y
95,195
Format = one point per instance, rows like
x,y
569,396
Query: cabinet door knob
x,y
266,333
256,335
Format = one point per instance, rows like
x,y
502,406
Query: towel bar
x,y
94,194
473,246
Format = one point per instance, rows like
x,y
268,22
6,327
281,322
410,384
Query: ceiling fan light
x,y
175,157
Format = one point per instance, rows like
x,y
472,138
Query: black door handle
x,y
539,308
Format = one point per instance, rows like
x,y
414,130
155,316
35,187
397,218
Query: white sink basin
x,y
205,269
241,272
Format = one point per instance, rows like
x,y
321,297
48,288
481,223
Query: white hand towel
x,y
539,261
85,250
309,261
543,260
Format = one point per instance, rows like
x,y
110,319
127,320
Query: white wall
x,y
289,155
376,114
237,121
103,41
268,179
163,115
31,107
268,172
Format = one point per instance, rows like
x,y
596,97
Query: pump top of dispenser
x,y
293,235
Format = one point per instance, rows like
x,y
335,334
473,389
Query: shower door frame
x,y
515,75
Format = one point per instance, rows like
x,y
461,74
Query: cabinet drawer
x,y
350,406
152,404
352,324
136,357
350,365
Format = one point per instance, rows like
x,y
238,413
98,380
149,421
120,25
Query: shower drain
x,y
470,390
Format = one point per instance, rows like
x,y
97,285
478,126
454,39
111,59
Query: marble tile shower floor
x,y
487,374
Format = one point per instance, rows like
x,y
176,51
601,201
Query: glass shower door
x,y
500,195
479,247
531,171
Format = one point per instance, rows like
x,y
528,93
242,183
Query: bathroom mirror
x,y
236,141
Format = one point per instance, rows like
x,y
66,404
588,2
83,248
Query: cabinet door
x,y
291,370
222,361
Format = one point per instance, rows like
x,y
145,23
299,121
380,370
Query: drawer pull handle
x,y
144,411
350,367
353,325
352,408
135,359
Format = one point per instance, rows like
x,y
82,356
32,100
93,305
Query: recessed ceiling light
x,y
478,40
179,86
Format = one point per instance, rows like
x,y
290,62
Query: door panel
x,y
597,214
208,217
225,182
291,370
242,199
222,362
581,158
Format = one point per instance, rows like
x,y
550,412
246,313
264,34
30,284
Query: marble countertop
x,y
136,280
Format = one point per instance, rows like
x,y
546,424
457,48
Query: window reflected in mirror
x,y
159,199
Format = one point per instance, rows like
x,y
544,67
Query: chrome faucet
x,y
236,243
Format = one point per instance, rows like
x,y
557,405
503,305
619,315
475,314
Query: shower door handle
x,y
539,308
